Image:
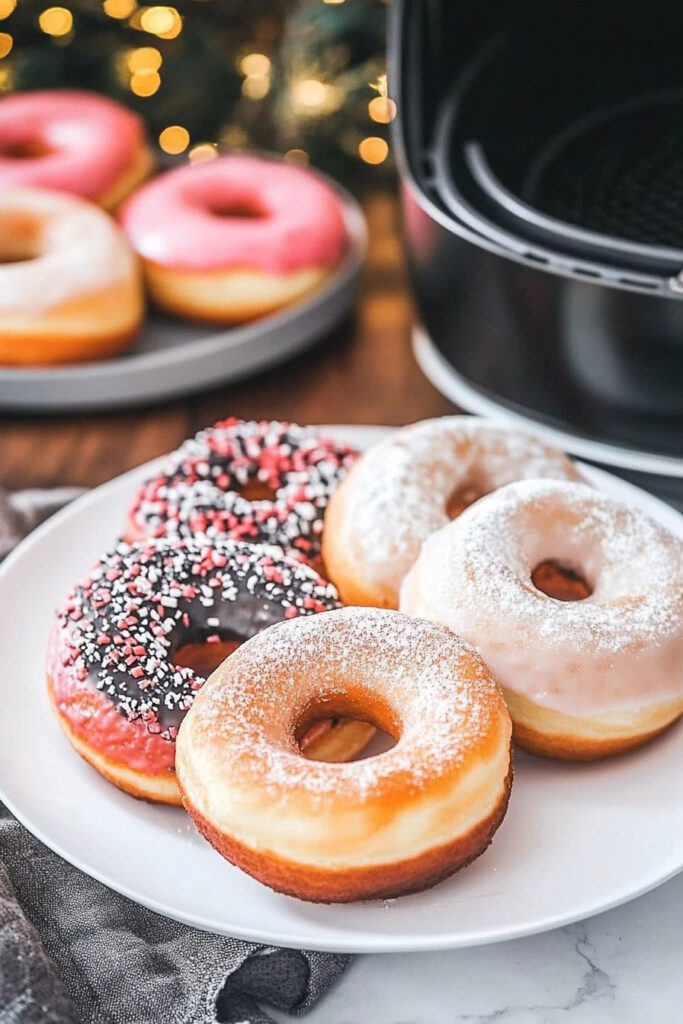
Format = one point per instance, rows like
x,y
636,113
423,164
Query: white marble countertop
x,y
623,966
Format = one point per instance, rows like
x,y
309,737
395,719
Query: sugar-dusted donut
x,y
263,482
72,141
70,287
413,483
236,237
584,678
123,658
375,828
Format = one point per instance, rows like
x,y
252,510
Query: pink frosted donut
x,y
587,675
236,237
72,141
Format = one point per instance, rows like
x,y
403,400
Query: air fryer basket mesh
x,y
619,173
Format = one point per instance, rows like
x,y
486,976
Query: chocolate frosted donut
x,y
261,482
124,656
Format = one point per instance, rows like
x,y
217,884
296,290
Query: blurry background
x,y
301,77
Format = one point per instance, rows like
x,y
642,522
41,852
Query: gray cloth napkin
x,y
74,952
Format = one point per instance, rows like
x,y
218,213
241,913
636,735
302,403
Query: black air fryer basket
x,y
541,151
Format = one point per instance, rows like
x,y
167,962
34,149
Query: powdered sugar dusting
x,y
398,492
424,673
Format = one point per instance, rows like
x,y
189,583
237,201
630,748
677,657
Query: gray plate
x,y
172,357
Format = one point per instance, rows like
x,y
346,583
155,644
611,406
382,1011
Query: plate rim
x,y
353,943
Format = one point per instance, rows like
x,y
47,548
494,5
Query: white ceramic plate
x,y
576,840
172,357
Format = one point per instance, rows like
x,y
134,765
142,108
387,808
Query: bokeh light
x,y
174,139
6,7
145,58
381,109
297,156
255,64
145,83
373,150
203,152
309,92
56,21
256,87
6,44
164,22
119,8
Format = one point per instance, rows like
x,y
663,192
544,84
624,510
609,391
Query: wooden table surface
x,y
364,373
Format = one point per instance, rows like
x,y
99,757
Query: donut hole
x,y
20,237
257,490
28,149
242,209
204,656
369,729
561,581
461,498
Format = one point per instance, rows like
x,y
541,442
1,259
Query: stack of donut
x,y
495,594
224,241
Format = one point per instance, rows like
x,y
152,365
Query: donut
x,y
72,141
588,670
236,237
123,656
370,829
410,485
70,287
262,482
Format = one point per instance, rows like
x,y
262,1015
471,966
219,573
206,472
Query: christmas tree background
x,y
305,78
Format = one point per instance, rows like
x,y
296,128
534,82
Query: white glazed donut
x,y
375,828
583,678
412,484
70,287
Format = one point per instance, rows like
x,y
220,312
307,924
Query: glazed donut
x,y
410,485
123,655
72,141
236,237
262,482
70,288
375,828
584,678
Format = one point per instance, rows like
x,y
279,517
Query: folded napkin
x,y
74,952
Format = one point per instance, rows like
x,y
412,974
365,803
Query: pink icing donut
x,y
235,237
72,141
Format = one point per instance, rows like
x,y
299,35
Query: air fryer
x,y
541,151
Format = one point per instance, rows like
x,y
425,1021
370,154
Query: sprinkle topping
x,y
201,490
120,627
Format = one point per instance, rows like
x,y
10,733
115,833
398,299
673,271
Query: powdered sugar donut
x,y
70,286
136,639
235,238
374,828
412,484
71,141
263,482
583,678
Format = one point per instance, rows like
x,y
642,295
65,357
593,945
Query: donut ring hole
x,y
20,237
204,657
462,497
27,149
245,208
330,711
258,490
561,581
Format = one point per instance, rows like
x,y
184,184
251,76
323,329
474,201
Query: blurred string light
x,y
164,22
256,69
381,109
56,21
298,156
174,139
7,7
119,8
203,152
373,150
314,97
145,82
6,44
144,58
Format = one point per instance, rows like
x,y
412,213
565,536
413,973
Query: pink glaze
x,y
91,141
95,720
296,220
